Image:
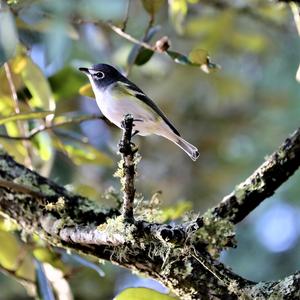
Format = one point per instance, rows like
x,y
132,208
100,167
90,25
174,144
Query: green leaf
x,y
81,153
25,116
10,251
178,10
10,248
140,55
197,58
8,33
152,6
31,74
143,57
178,57
43,144
142,294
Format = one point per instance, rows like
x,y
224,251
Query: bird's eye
x,y
99,75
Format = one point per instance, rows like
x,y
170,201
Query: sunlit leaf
x,y
142,294
31,74
10,252
200,59
198,56
87,90
44,145
81,153
87,154
44,288
25,116
152,6
8,33
178,10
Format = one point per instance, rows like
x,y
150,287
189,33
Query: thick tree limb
x,y
174,255
263,182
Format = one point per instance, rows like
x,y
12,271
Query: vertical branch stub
x,y
128,152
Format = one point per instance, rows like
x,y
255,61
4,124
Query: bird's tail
x,y
168,133
190,149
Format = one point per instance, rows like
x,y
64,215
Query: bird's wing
x,y
131,89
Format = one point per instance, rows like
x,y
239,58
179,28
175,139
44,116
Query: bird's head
x,y
102,75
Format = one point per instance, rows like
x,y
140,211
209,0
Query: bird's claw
x,y
135,133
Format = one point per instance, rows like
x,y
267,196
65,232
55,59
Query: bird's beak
x,y
84,70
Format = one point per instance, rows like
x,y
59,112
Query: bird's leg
x,y
122,147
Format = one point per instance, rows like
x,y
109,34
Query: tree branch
x,y
173,254
128,155
262,183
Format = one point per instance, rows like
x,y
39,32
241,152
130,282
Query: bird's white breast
x,y
114,109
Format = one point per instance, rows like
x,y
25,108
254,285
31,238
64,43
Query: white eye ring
x,y
99,75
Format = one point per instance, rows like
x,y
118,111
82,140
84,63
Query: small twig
x,y
12,88
126,16
53,125
129,37
128,153
117,30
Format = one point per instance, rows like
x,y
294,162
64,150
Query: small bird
x,y
117,96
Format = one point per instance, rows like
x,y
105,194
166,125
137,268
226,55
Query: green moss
x,y
117,226
46,190
216,233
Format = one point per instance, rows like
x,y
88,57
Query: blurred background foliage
x,y
236,115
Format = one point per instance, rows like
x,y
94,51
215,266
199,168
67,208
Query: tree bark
x,y
182,257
